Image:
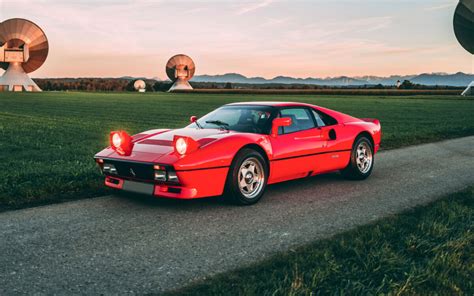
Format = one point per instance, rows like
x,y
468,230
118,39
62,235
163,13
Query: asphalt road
x,y
129,244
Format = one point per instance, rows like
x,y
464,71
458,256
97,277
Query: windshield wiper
x,y
222,124
198,124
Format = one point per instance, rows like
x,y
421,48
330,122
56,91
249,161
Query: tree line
x,y
123,84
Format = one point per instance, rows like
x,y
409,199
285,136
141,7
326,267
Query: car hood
x,y
163,142
151,146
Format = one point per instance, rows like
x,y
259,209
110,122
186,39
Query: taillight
x,y
121,142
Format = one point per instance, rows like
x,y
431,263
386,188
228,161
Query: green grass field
x,y
425,251
48,139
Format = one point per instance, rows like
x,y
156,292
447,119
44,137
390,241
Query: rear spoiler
x,y
373,120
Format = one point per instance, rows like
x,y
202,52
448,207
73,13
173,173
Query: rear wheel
x,y
247,178
362,160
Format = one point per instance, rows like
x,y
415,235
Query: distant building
x,y
399,83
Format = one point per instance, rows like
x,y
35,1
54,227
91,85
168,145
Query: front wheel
x,y
362,160
247,178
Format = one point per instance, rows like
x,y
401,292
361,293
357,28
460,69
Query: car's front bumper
x,y
193,184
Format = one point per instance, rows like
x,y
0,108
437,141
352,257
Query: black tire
x,y
233,192
353,171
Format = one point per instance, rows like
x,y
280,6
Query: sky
x,y
265,38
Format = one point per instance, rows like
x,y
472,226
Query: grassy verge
x,y
426,251
47,140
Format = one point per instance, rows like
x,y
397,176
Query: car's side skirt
x,y
289,168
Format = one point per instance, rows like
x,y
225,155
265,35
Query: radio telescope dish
x,y
23,49
464,30
180,69
140,85
464,24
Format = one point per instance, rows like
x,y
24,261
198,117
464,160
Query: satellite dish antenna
x,y
180,69
140,85
464,31
23,49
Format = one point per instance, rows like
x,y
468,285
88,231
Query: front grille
x,y
133,170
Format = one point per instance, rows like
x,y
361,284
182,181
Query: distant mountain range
x,y
444,79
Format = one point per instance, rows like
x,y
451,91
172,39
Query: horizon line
x,y
261,77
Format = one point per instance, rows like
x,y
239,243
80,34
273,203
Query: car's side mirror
x,y
193,119
279,122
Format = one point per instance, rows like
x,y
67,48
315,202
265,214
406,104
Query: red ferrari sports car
x,y
238,149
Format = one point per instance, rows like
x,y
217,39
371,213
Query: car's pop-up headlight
x,y
181,146
184,145
116,140
121,142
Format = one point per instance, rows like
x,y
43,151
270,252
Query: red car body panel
x,y
203,172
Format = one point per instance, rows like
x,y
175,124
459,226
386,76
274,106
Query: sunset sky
x,y
255,38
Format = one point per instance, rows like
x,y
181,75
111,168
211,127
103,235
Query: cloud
x,y
372,23
195,10
336,30
440,7
249,7
254,37
271,22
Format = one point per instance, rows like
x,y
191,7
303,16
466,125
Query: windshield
x,y
246,119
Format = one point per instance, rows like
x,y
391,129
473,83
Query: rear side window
x,y
301,119
322,117
318,119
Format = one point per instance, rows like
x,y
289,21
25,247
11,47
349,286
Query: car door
x,y
335,154
296,147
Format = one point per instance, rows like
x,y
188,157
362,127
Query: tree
x,y
162,86
148,87
407,84
130,86
379,86
228,85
